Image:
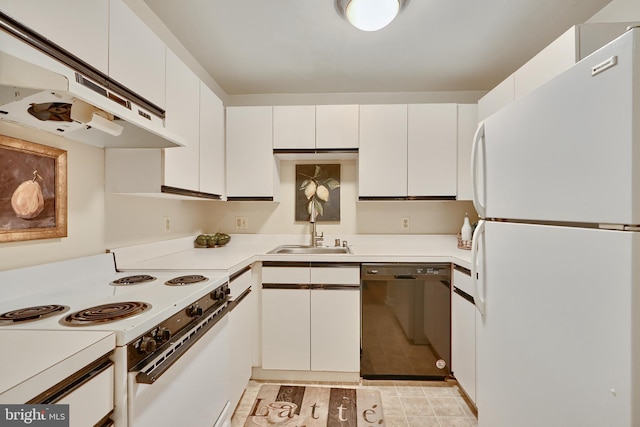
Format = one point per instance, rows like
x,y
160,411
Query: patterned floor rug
x,y
304,406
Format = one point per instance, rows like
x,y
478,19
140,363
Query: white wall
x,y
459,97
96,221
86,217
367,217
618,11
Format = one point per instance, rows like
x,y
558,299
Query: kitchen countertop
x,y
244,249
46,358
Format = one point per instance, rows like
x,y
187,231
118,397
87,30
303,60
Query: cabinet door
x,y
250,162
552,60
467,125
432,150
242,328
500,96
286,329
182,164
335,330
337,126
211,142
463,343
382,163
294,126
81,27
136,54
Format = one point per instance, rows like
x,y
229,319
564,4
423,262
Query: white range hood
x,y
40,90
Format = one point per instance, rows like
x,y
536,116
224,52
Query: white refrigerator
x,y
556,256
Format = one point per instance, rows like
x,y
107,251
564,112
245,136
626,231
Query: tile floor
x,y
405,403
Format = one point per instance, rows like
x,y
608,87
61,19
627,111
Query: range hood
x,y
44,87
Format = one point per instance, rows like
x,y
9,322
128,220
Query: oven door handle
x,y
188,340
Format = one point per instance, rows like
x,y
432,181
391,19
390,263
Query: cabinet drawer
x,y
293,275
239,284
335,275
88,411
462,280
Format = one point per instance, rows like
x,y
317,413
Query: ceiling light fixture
x,y
370,15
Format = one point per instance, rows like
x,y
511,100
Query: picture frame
x,y
33,191
318,184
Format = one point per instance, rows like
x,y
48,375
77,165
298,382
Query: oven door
x,y
193,391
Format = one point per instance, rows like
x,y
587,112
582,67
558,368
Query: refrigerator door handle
x,y
477,259
478,138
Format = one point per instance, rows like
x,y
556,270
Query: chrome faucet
x,y
315,237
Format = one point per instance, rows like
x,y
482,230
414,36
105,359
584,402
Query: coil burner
x,y
133,280
185,280
29,314
105,313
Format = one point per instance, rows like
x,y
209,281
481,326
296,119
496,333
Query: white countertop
x,y
33,360
244,249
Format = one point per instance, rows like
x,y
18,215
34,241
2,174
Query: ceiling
x,y
305,46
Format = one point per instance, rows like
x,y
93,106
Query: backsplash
x,y
366,217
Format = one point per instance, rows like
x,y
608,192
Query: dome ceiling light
x,y
370,15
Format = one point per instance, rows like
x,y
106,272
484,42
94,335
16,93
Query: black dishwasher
x,y
406,321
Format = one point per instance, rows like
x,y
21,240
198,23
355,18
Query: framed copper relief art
x,y
33,191
318,185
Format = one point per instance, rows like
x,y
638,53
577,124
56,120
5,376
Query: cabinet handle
x,y
464,295
286,286
335,287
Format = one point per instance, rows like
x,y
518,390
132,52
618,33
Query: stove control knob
x,y
163,335
194,311
147,345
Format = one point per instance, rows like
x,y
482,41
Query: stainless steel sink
x,y
302,249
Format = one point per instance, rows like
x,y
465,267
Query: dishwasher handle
x,y
404,277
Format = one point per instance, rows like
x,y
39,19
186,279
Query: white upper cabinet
x,y
309,127
79,26
211,142
136,54
193,171
497,98
432,150
575,44
337,126
467,125
382,163
250,162
182,164
294,127
408,151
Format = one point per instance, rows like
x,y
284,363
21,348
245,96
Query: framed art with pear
x,y
33,191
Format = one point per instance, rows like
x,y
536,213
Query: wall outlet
x,y
404,223
242,223
167,224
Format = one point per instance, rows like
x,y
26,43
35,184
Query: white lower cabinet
x,y
243,323
311,317
335,330
286,327
463,333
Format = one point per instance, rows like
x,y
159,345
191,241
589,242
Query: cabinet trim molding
x,y
184,192
364,198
